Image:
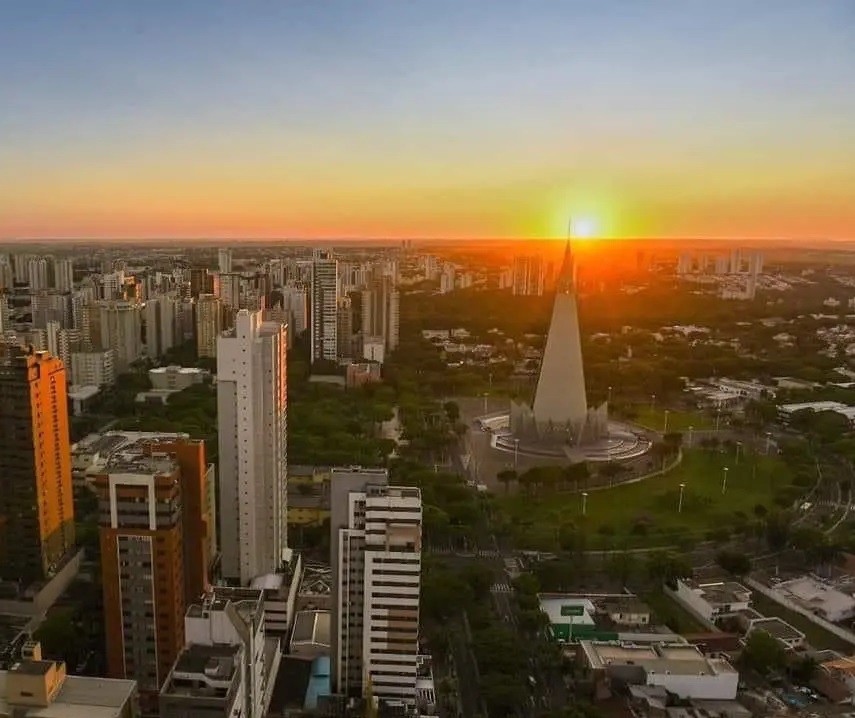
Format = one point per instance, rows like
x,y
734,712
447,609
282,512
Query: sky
x,y
437,119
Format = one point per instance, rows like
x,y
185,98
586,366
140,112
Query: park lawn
x,y
645,513
654,418
817,636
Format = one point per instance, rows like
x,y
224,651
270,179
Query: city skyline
x,y
445,120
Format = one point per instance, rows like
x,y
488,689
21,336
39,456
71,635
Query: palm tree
x,y
507,477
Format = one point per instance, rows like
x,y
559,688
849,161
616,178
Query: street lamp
x,y
724,480
516,452
584,503
665,429
680,502
768,442
717,417
652,401
738,448
609,400
691,435
486,394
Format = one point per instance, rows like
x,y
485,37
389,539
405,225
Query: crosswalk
x,y
501,588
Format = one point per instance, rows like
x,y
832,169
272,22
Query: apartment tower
x,y
154,518
36,501
324,307
252,417
209,316
376,558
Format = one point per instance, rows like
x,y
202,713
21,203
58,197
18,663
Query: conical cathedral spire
x,y
567,277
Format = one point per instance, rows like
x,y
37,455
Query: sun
x,y
583,227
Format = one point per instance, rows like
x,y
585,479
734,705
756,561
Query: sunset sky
x,y
434,118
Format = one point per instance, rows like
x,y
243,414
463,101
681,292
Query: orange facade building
x,y
154,515
36,498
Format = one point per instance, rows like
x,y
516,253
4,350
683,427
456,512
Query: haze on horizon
x,y
442,119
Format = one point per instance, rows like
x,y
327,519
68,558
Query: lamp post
x,y
516,452
609,400
584,503
680,502
652,401
738,449
486,394
724,480
691,435
717,417
768,442
665,428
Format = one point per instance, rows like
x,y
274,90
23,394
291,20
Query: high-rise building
x,y
209,316
529,275
381,311
63,279
376,558
159,315
229,664
446,279
203,281
324,325
38,274
224,260
252,420
119,327
36,503
95,368
344,330
154,553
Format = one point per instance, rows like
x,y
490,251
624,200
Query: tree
x,y
803,670
452,410
507,477
666,567
734,562
764,653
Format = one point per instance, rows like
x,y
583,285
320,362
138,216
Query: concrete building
x,y
679,668
229,666
324,307
209,316
344,329
381,312
224,260
37,688
819,598
376,540
559,412
528,275
446,279
176,378
95,368
36,502
712,600
252,419
63,278
788,636
119,327
38,275
160,315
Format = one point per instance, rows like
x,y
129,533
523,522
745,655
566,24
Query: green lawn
x,y
654,418
818,637
645,513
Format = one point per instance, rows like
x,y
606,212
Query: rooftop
x,y
815,595
674,658
720,592
776,627
312,627
79,697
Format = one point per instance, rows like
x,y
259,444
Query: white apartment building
x,y
160,324
324,325
252,418
37,273
224,259
229,664
376,534
528,275
93,368
63,278
120,329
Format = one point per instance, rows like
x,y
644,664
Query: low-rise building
x,y
712,600
819,598
789,636
169,380
679,668
36,688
